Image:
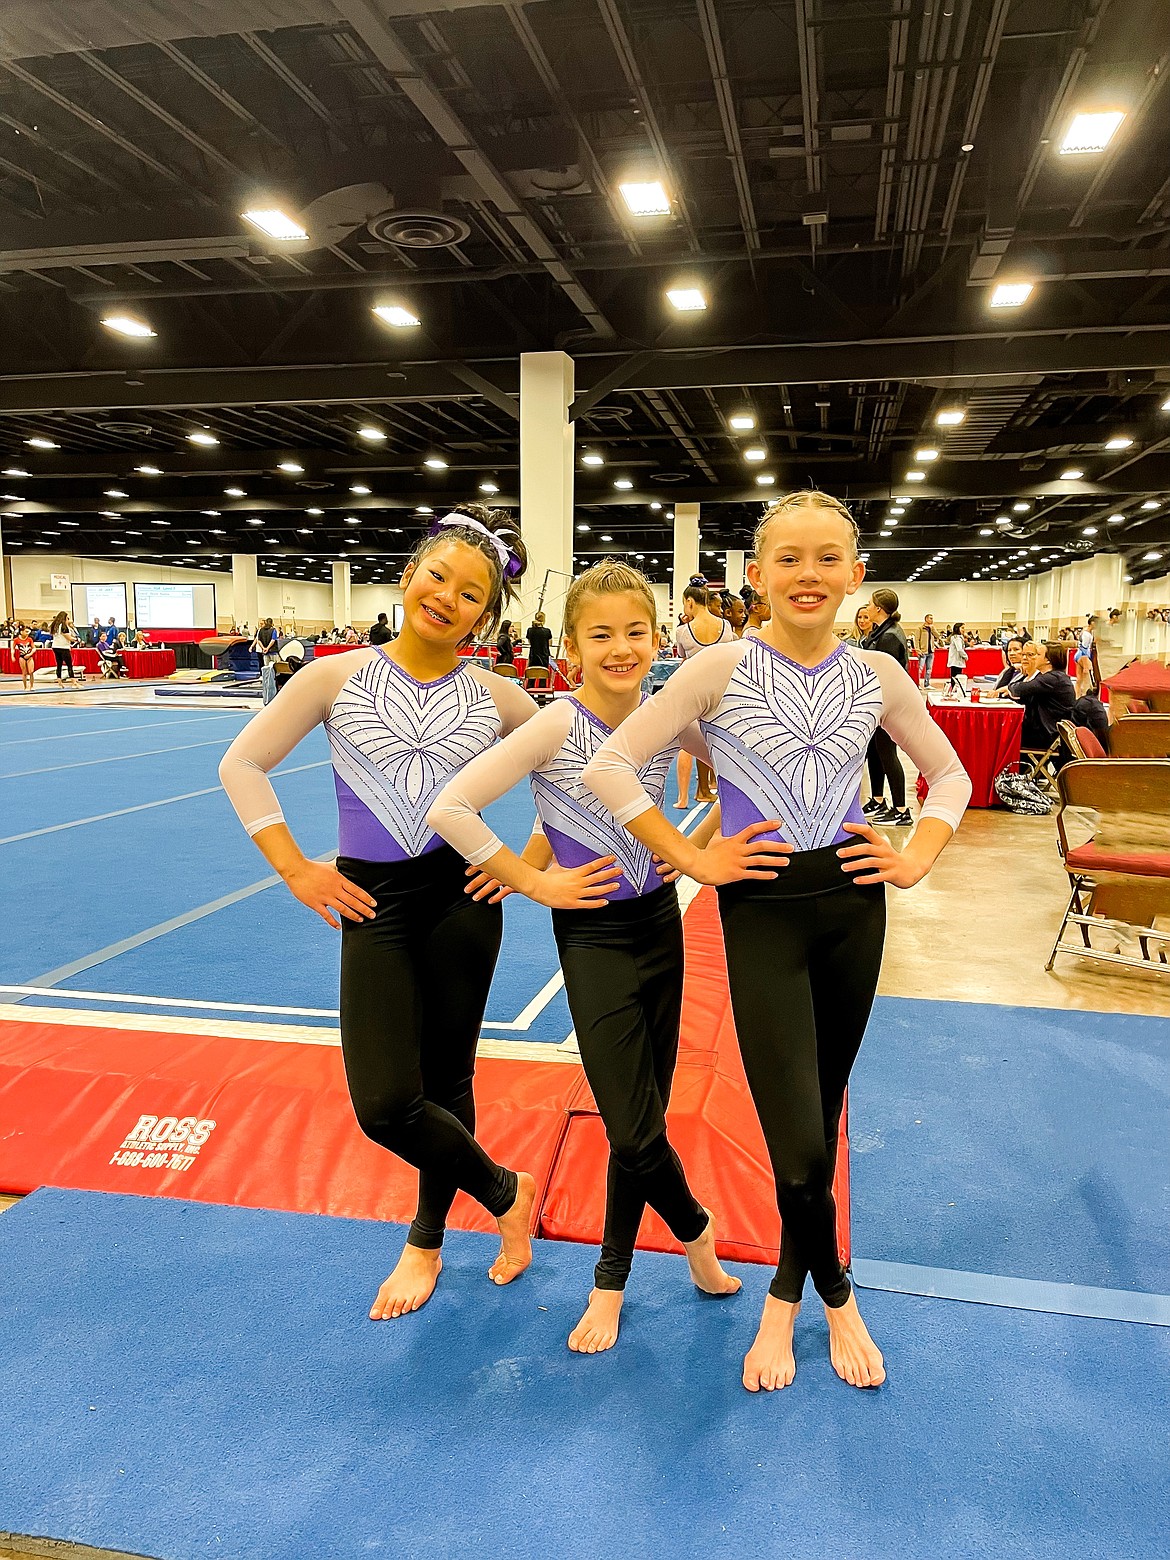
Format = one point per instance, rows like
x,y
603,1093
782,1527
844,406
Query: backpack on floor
x,y
1019,794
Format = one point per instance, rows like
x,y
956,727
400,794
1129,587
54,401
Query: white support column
x,y
686,549
245,590
736,560
342,601
546,482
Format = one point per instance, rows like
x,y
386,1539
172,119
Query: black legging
x,y
64,660
414,985
884,764
623,977
803,955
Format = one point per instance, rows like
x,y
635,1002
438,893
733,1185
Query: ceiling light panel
x,y
646,200
1091,132
275,224
1010,295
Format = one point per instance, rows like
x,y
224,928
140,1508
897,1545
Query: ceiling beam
x,y
410,78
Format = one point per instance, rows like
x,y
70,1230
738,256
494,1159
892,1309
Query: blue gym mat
x,y
180,1381
1018,1141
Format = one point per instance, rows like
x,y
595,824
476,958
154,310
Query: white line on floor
x,y
120,758
97,731
165,801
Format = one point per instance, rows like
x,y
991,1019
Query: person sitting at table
x,y
1012,671
1046,693
139,641
1089,711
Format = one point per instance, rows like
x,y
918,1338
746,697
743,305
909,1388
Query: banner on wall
x,y
58,582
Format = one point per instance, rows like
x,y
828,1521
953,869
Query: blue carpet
x,y
181,1381
1018,1141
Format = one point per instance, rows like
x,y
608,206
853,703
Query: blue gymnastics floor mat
x,y
180,1380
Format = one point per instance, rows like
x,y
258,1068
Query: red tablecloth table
x,y
986,736
149,663
336,649
84,659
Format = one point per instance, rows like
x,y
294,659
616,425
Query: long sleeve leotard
x,y
554,748
788,741
394,743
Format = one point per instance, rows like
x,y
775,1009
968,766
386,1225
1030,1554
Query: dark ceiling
x,y
849,179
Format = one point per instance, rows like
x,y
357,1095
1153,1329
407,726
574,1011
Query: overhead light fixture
x,y
352,520
14,471
742,422
435,463
883,533
1122,441
986,531
255,520
1151,557
127,325
1091,132
372,435
235,492
926,455
891,523
489,487
109,514
1073,474
423,509
275,224
116,493
1089,530
607,538
755,452
655,505
212,514
687,300
916,476
1117,519
42,444
149,471
646,200
1151,503
1010,295
950,417
1020,507
624,483
202,437
765,479
394,314
593,459
583,527
898,509
291,466
360,489
1003,520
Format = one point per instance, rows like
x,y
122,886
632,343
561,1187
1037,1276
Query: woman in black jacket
x,y
882,756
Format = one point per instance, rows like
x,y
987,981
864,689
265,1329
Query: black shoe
x,y
876,804
901,819
883,815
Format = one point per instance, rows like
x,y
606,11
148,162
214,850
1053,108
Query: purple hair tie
x,y
509,562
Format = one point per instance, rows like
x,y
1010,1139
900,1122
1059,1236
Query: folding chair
x,y
1080,741
538,681
505,669
1040,766
1140,736
1111,884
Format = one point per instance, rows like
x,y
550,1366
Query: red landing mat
x,y
266,1124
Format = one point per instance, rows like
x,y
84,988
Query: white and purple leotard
x,y
394,742
554,748
787,741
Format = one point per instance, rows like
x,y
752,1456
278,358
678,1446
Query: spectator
x,y
64,637
862,624
664,641
1012,671
956,661
95,632
265,642
929,639
539,642
886,636
380,632
1086,645
1089,711
1046,693
505,645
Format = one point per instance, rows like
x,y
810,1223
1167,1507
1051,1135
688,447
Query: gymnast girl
x,y
787,717
620,939
401,719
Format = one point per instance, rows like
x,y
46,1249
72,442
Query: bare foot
x,y
770,1363
410,1285
682,805
856,1357
706,1271
598,1328
515,1243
